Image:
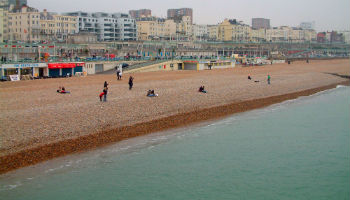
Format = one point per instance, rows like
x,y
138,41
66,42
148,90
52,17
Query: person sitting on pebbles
x,y
151,93
62,90
201,89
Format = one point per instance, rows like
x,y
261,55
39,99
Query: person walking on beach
x,y
268,79
118,74
105,91
131,82
105,84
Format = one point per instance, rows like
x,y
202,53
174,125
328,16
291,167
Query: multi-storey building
x,y
24,25
307,25
346,36
260,23
184,28
153,28
213,32
56,27
278,34
3,21
20,2
127,27
177,14
258,35
108,27
290,34
200,32
142,13
231,30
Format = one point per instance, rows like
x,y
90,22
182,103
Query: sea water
x,y
298,149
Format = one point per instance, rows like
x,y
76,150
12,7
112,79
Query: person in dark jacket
x,y
131,82
105,91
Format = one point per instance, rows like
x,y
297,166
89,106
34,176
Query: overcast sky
x,y
328,14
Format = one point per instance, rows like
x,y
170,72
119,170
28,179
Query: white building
x,y
107,27
307,25
346,35
200,32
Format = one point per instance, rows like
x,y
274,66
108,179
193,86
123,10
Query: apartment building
x,y
290,34
232,30
107,27
260,23
213,32
184,28
153,28
178,14
346,35
24,25
142,13
3,21
200,32
55,27
258,35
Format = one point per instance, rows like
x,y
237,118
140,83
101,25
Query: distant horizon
x,y
328,16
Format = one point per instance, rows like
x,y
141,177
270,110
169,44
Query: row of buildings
x,y
26,24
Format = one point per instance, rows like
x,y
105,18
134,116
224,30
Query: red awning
x,y
61,65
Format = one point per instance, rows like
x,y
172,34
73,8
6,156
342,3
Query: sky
x,y
327,14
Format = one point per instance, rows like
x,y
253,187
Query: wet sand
x,y
38,124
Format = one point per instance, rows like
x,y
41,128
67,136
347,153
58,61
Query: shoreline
x,y
46,152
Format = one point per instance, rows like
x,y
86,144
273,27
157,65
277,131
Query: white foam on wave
x,y
341,86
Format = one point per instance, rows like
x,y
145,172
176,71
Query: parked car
x,y
125,65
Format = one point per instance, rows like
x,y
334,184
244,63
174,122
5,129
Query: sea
x,y
298,149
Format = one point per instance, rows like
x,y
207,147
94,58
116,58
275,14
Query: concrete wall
x,y
186,66
165,66
90,66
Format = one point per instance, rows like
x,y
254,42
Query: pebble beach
x,y
38,124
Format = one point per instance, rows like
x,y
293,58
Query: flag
x,y
25,31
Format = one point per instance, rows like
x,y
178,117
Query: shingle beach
x,y
37,123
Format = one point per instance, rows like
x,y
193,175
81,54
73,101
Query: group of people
x,y
201,89
151,93
119,74
104,92
105,88
62,90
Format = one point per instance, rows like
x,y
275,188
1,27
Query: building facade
x,y
177,14
21,2
307,25
231,30
156,29
3,21
260,23
54,27
290,34
258,35
142,13
107,27
200,32
213,32
24,25
184,28
346,36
